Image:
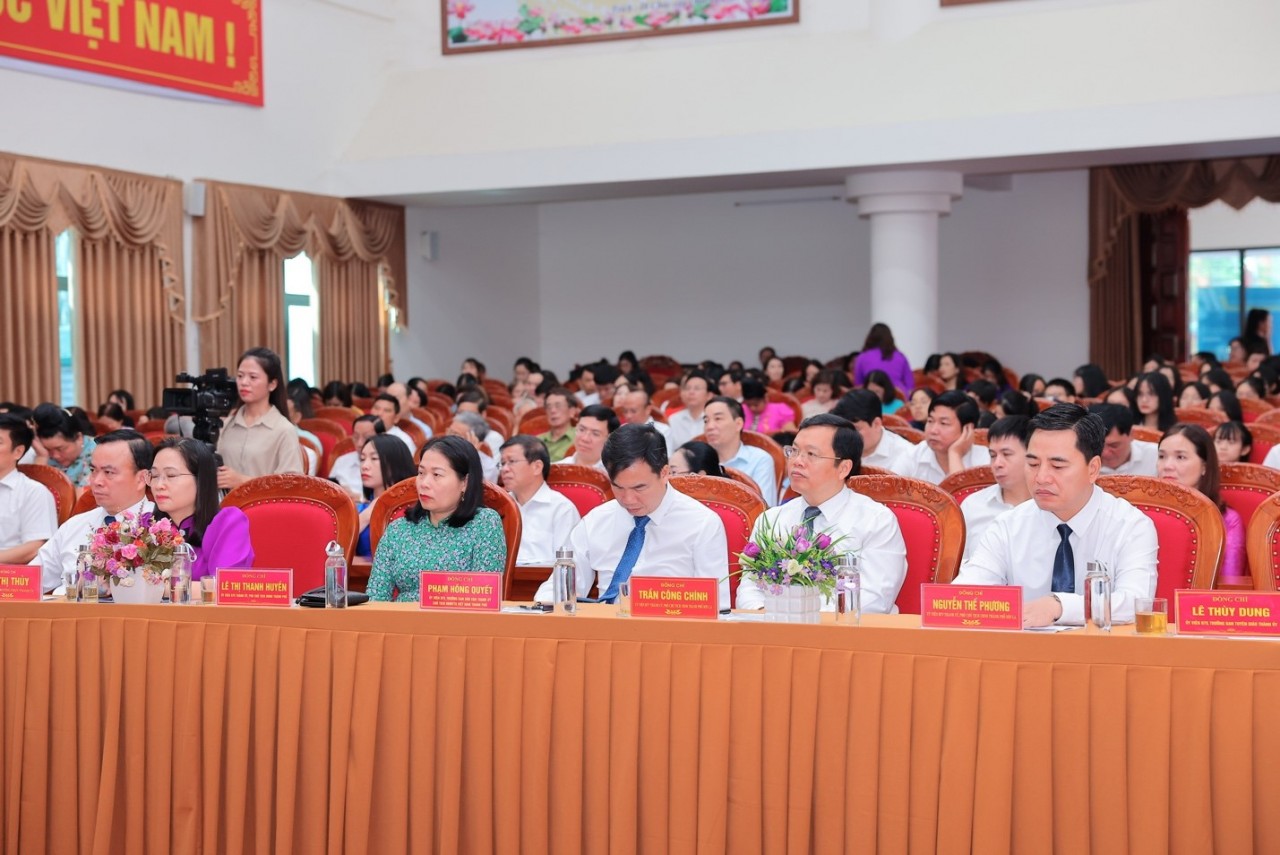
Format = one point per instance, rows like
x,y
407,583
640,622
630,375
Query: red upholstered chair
x,y
737,508
417,434
1270,417
339,415
1262,545
980,437
1189,529
963,484
430,418
1254,409
316,452
1265,437
151,428
85,502
1245,486
866,470
504,415
661,368
534,424
1202,416
587,487
291,520
1146,434
760,440
742,478
932,526
894,420
908,433
397,499
64,494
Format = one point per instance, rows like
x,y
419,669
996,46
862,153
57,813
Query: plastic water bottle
x,y
1097,595
335,576
180,575
848,589
564,583
88,582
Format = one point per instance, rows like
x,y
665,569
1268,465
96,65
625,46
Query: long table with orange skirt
x,y
383,729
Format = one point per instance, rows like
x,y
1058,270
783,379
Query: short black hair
x,y
566,393
1069,385
1014,403
631,444
1218,377
696,375
735,407
847,442
752,389
139,446
20,433
603,373
859,405
464,460
1114,417
527,363
378,426
965,409
51,420
703,459
475,395
535,450
392,398
984,390
1091,433
1015,427
1230,404
601,413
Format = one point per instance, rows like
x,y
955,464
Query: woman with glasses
x,y
184,483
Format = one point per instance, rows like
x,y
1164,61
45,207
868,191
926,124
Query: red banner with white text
x,y
206,47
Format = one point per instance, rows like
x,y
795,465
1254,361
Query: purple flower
x,y
751,550
823,541
802,545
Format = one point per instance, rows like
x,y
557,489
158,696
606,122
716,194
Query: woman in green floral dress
x,y
448,529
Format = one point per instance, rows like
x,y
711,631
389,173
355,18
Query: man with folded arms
x,y
118,479
827,451
1121,453
1045,545
948,439
547,516
722,423
649,527
1007,442
880,448
595,424
28,514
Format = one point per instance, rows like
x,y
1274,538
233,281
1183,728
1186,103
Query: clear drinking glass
x,y
624,599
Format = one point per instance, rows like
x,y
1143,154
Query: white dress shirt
x,y
1018,548
547,520
1143,457
757,464
893,453
489,466
426,428
588,400
346,471
27,511
1273,457
598,465
683,538
925,463
398,432
59,552
979,509
867,528
683,427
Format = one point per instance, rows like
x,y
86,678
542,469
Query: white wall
x,y
1220,226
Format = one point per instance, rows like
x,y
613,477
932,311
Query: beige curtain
x,y
130,254
1118,196
241,241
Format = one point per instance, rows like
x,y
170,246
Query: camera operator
x,y
258,438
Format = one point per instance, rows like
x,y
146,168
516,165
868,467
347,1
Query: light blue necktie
x,y
635,542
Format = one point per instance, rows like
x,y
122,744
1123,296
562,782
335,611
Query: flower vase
x,y
793,604
140,593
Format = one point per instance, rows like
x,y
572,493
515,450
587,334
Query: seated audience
x,y
627,362
1060,390
28,513
595,424
400,392
1121,453
683,425
774,370
1031,385
1090,381
634,407
948,439
122,398
184,483
1233,442
476,400
1217,379
648,525
1124,396
387,408
1007,443
345,471
1153,396
384,462
473,367
113,417
918,405
880,353
950,371
827,451
336,394
1194,395
472,428
548,516
62,442
812,369
118,481
447,529
1045,545
1225,401
722,423
761,415
1251,388
258,438
730,384
1188,456
696,458
828,386
1013,403
561,407
983,393
880,447
879,383
993,372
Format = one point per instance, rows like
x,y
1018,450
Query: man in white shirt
x,y
722,423
649,528
827,451
695,392
588,395
118,478
472,427
1045,545
948,439
548,517
633,409
476,400
1007,442
730,384
345,471
595,424
387,408
400,392
880,448
28,513
1121,453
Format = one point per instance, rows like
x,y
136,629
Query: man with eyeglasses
x,y
827,451
548,517
118,479
595,423
561,408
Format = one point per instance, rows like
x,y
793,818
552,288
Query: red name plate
x,y
971,606
675,597
448,591
19,582
243,587
1227,613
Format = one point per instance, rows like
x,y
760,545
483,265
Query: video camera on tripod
x,y
211,396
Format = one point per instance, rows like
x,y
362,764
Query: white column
x,y
904,207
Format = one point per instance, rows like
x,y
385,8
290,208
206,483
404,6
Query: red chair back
x,y
1262,545
908,433
1244,487
963,484
737,508
343,416
1265,437
586,487
932,527
1254,408
1189,529
57,483
292,518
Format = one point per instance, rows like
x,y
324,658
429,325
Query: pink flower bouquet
x,y
134,547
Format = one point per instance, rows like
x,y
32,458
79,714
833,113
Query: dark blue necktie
x,y
1064,564
810,514
635,542
108,519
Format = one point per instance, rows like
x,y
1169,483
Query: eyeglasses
x,y
794,453
156,477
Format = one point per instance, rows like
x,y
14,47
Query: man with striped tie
x,y
649,528
828,450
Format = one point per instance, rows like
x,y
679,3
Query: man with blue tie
x,y
1045,545
649,528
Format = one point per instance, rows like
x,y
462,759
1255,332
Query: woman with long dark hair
x,y
879,352
1189,457
184,482
1090,381
384,462
1153,402
258,438
1257,329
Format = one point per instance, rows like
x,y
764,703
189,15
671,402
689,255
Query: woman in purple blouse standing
x,y
184,482
880,354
